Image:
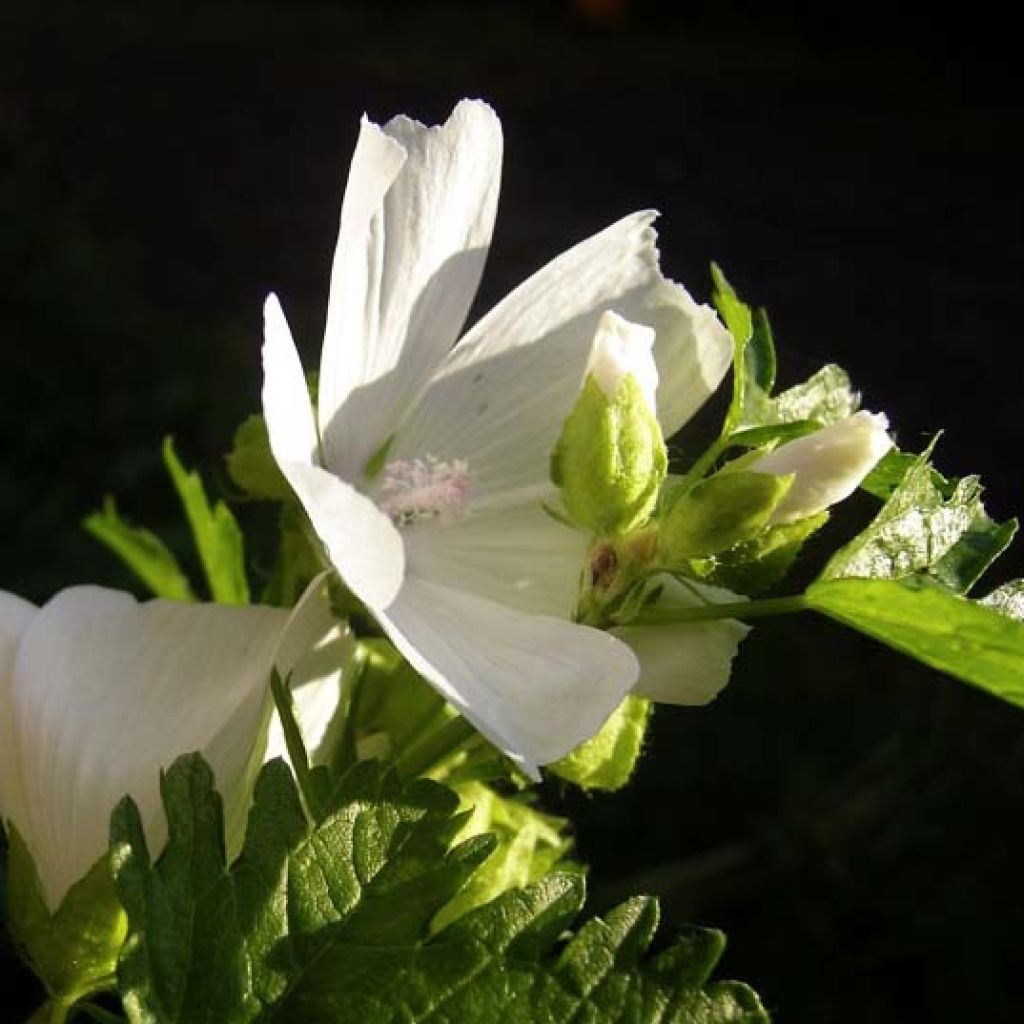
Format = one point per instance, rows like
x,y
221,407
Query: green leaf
x,y
251,464
332,923
607,760
759,355
761,564
824,398
738,319
1008,600
928,525
217,535
73,950
773,433
528,845
143,552
951,633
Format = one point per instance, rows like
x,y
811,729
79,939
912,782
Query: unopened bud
x,y
827,465
718,513
610,459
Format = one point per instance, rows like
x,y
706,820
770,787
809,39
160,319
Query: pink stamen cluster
x,y
415,489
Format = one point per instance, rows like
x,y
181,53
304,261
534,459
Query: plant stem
x,y
733,610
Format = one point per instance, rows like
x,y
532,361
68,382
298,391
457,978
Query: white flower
x,y
828,464
98,692
425,469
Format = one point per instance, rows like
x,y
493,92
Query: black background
x,y
853,822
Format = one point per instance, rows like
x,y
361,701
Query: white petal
x,y
361,541
500,400
286,405
15,616
415,227
535,686
685,663
693,352
518,556
829,464
106,691
316,685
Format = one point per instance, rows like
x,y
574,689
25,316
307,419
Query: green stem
x,y
346,755
296,747
97,1013
436,746
696,472
733,610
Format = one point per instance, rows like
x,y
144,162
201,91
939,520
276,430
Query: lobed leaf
x,y
331,923
142,551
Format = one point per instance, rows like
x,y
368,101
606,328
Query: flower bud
x,y
719,512
610,459
827,465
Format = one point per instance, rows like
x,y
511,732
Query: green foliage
x,y
607,760
528,845
610,459
718,513
217,535
923,619
143,552
756,566
74,949
928,525
251,464
297,562
822,399
1007,600
737,317
332,923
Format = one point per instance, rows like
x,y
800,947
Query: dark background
x,y
853,822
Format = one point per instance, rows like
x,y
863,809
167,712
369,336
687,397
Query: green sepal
x,y
74,950
610,459
251,464
142,551
217,535
718,513
529,844
606,761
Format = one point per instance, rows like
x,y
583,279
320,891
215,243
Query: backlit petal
x,y
500,400
361,541
534,685
518,556
685,663
106,691
415,227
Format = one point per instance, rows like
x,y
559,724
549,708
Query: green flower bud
x,y
610,459
719,512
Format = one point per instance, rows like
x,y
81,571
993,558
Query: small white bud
x,y
828,465
621,348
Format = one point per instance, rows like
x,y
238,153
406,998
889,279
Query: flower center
x,y
417,489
